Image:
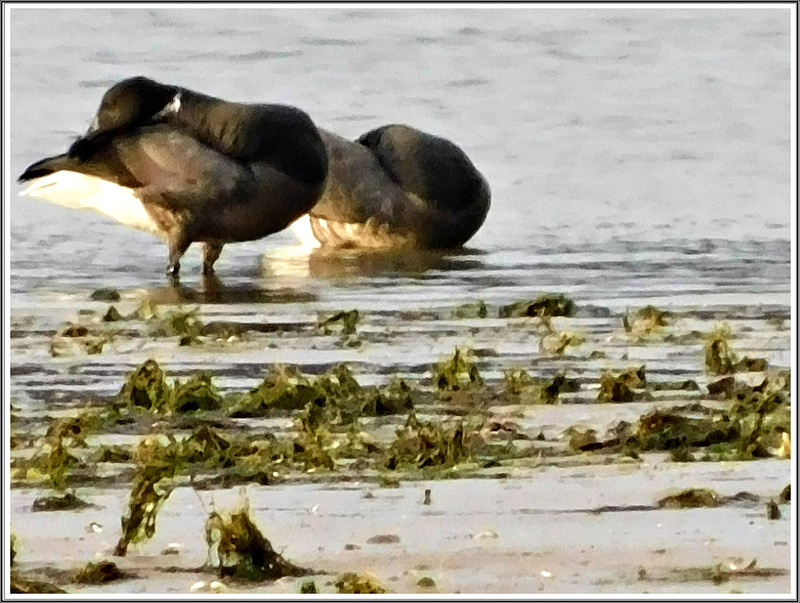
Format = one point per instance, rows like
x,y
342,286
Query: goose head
x,y
134,102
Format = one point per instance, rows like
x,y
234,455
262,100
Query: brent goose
x,y
396,186
188,167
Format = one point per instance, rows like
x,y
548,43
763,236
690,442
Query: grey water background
x,y
635,156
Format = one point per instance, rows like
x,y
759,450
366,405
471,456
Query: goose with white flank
x,y
396,186
188,167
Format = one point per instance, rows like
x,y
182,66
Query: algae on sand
x,y
196,393
621,388
335,396
719,574
238,549
99,573
347,321
550,304
55,458
156,463
312,444
529,390
751,427
457,373
665,430
283,387
471,310
179,323
692,498
421,444
761,416
146,387
19,585
719,357
645,321
67,502
351,583
22,586
308,587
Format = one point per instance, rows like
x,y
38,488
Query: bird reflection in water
x,y
333,264
286,275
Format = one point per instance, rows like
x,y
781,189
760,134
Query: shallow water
x,y
635,157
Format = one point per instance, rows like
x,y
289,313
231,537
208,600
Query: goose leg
x,y
211,252
177,244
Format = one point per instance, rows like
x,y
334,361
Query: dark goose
x,y
396,186
188,167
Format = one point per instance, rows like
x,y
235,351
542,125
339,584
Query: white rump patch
x,y
303,232
79,191
369,235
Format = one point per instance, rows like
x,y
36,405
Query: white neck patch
x,y
173,107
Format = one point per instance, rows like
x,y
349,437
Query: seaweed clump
x,y
146,388
421,444
529,390
394,398
283,388
664,430
237,549
457,373
22,586
344,320
196,394
622,387
692,498
336,395
550,304
753,426
67,502
100,573
351,583
473,310
179,323
308,587
157,462
74,337
761,417
555,342
245,459
645,321
719,357
55,459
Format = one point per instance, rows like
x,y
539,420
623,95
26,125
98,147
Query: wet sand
x,y
477,536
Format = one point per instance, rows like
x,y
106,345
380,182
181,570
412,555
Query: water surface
x,y
635,157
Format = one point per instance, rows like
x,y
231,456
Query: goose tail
x,y
58,181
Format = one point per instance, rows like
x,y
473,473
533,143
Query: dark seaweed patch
x,y
550,304
157,461
457,373
351,583
622,387
237,549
